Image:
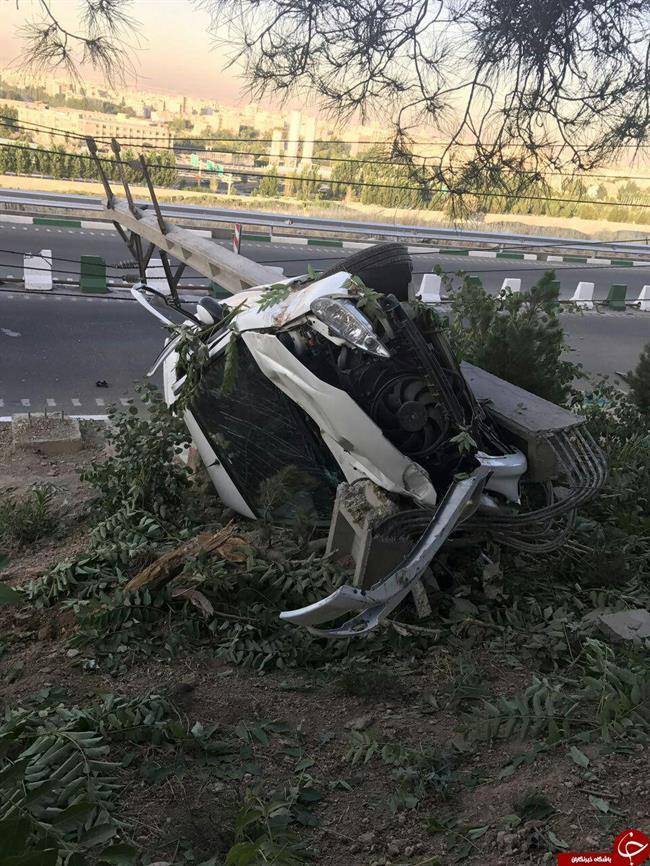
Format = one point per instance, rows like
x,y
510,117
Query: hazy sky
x,y
174,52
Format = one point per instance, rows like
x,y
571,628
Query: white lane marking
x,y
76,401
48,230
25,401
50,402
2,402
124,401
9,333
100,401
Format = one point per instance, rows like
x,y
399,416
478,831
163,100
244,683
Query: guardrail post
x,y
37,272
92,278
616,297
583,296
644,300
429,291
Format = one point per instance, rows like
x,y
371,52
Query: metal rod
x,y
92,147
152,193
115,147
170,276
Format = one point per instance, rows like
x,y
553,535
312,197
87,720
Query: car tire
x,y
386,268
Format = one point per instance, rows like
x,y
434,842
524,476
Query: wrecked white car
x,y
351,390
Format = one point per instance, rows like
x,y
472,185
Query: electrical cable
x,y
10,122
550,144
364,184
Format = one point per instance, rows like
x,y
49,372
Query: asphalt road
x,y
54,348
68,244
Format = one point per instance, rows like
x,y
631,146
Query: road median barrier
x,y
644,300
92,279
616,297
511,284
156,278
37,272
583,297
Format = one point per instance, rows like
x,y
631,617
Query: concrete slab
x,y
633,625
49,434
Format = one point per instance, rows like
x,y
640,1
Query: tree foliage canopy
x,y
512,88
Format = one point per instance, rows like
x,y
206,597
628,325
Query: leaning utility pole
x,y
136,225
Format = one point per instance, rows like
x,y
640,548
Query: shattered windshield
x,y
267,444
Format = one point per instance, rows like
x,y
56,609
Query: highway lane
x,y
68,244
54,348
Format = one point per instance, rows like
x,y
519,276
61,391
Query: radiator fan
x,y
409,414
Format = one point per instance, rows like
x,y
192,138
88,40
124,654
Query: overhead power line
x,y
54,131
386,141
420,189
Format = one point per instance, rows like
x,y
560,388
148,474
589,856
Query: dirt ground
x,y
172,806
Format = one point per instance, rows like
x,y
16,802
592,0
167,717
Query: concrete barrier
x,y
156,276
512,284
616,297
583,296
644,300
92,275
37,272
429,291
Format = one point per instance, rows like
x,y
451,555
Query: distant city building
x,y
277,146
308,138
293,139
291,132
129,130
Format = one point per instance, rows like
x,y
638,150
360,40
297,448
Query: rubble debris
x,y
633,625
50,434
360,723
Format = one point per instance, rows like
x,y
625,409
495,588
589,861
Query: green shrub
x,y
515,335
26,517
143,475
639,381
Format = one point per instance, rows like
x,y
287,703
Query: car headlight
x,y
346,322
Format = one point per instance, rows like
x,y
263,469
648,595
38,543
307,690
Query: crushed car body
x,y
341,380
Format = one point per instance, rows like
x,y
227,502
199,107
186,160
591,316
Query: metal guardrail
x,y
29,201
